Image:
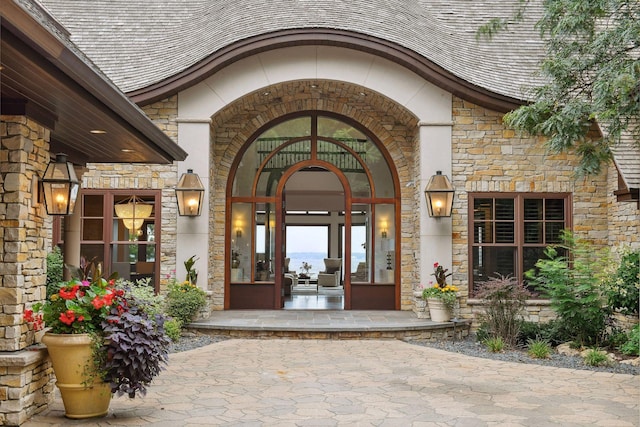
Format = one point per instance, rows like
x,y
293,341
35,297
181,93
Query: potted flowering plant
x,y
440,297
101,341
305,267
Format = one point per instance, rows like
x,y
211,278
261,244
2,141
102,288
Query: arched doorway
x,y
306,150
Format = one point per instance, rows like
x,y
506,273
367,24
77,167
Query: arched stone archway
x,y
394,126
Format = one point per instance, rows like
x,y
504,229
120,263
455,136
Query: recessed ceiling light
x,y
266,93
127,150
98,131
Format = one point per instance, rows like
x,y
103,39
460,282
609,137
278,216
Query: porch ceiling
x,y
45,77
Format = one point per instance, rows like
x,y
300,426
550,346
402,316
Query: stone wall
x,y
26,385
623,217
488,157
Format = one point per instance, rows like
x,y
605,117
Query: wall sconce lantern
x,y
60,186
189,193
133,212
439,194
383,232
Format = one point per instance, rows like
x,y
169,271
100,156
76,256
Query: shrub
x,y
573,282
539,349
595,357
146,297
504,300
632,346
494,344
173,328
184,300
623,287
483,332
55,270
552,332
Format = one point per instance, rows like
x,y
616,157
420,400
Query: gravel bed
x,y
469,347
190,341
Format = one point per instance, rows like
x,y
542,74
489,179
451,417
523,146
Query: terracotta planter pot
x,y
84,395
438,310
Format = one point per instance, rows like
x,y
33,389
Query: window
x,y
511,231
125,245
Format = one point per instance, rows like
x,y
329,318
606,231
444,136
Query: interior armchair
x,y
332,274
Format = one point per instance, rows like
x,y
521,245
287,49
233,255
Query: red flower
x,y
66,293
435,265
108,298
67,317
98,303
28,316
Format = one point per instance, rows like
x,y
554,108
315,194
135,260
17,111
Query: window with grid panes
x,y
511,231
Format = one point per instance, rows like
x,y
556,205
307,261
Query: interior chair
x,y
332,274
290,280
360,274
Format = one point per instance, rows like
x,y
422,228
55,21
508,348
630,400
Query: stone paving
x,y
284,382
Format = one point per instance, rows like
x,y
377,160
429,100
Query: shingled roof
x,y
138,43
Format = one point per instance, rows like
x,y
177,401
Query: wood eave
x,y
47,81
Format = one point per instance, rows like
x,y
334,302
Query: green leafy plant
x,y
539,349
573,284
494,344
590,71
504,301
192,273
173,329
623,287
55,270
184,300
553,332
595,357
632,346
146,297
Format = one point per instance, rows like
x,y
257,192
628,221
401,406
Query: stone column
x,y
26,385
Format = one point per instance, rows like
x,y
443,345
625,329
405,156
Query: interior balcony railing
x,y
300,151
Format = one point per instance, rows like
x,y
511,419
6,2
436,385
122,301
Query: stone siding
x,y
488,157
26,383
164,114
623,217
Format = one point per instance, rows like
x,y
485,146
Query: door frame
x,y
281,223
